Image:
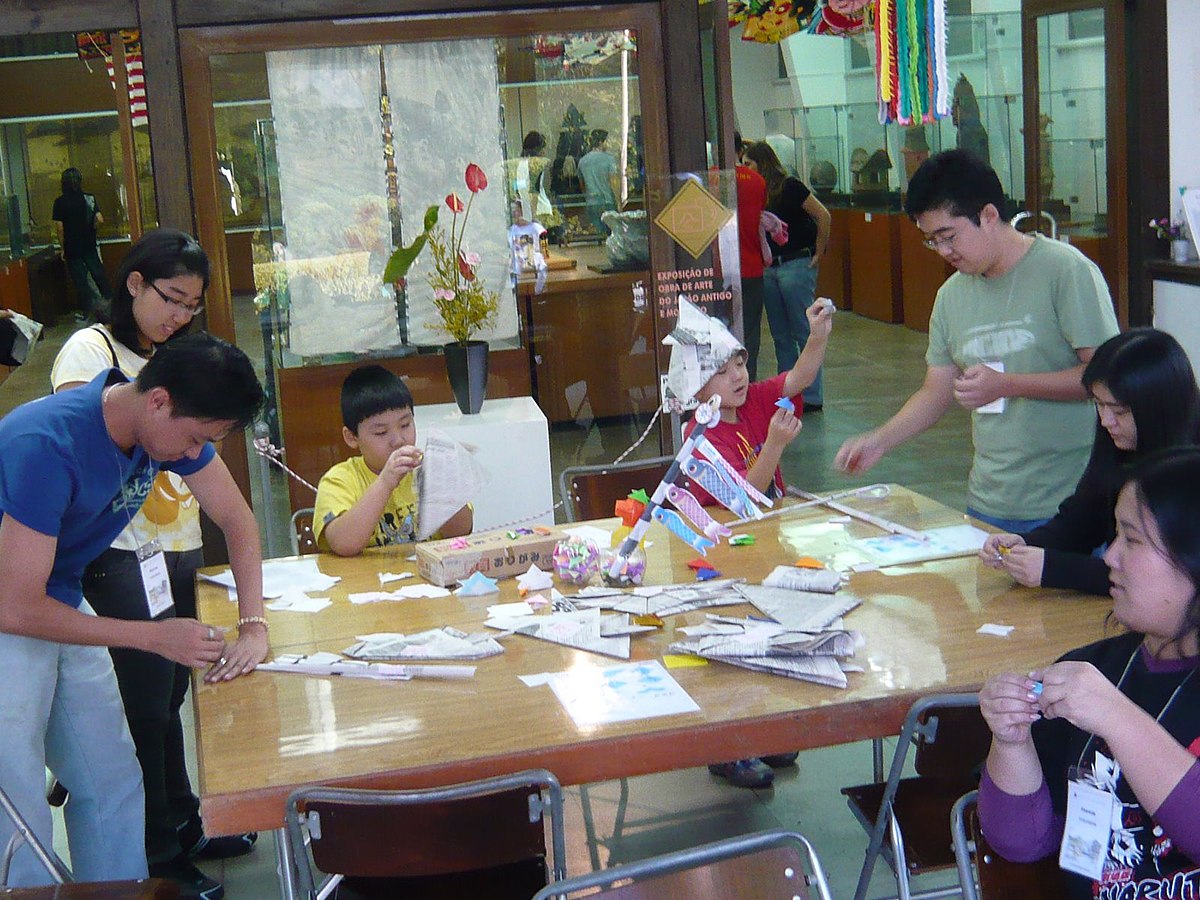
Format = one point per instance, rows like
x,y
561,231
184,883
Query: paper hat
x,y
700,346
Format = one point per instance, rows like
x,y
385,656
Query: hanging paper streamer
x,y
683,500
770,21
709,477
679,528
910,42
732,474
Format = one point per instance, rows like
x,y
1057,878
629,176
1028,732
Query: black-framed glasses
x,y
188,309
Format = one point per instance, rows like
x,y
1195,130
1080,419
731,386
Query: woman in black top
x,y
76,217
1146,400
790,281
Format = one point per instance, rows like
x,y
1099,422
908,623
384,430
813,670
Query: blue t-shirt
x,y
62,475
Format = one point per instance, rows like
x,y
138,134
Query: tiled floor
x,y
871,369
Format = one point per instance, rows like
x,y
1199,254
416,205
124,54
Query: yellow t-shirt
x,y
345,484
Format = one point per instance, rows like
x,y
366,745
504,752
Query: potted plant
x,y
465,305
1173,232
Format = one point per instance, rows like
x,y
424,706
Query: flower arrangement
x,y
1166,229
464,304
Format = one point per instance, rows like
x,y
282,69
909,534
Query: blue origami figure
x,y
477,585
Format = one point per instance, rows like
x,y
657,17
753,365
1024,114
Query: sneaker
x,y
197,845
193,884
747,773
781,760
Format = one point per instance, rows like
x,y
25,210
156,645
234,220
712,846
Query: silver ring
x,y
221,661
211,634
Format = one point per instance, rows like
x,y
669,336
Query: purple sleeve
x,y
1021,828
1178,814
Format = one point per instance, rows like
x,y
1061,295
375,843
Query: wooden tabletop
x,y
261,736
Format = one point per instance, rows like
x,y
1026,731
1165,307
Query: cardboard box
x,y
497,554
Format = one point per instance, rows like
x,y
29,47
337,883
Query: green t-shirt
x,y
1032,319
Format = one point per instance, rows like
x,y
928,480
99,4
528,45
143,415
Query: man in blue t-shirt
x,y
74,468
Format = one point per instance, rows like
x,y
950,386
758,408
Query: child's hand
x,y
784,427
402,461
820,317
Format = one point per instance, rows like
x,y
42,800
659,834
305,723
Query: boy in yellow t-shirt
x,y
368,500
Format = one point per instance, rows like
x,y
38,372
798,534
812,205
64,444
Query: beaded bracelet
x,y
254,620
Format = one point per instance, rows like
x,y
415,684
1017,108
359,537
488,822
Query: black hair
x,y
598,137
738,143
207,378
1168,487
157,254
1147,371
72,181
956,181
534,143
371,390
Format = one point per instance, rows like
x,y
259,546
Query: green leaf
x,y
431,216
401,261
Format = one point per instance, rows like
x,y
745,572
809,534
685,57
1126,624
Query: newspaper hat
x,y
700,346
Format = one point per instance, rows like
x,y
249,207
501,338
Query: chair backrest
x,y
589,492
439,831
954,740
766,865
302,537
999,879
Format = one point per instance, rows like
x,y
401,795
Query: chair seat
x,y
922,806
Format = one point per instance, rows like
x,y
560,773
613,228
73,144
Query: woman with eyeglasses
x,y
160,288
1146,401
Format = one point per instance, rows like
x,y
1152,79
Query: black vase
x,y
467,366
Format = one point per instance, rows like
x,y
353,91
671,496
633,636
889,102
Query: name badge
x,y
1088,830
155,581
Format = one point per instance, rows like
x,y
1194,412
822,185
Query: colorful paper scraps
x,y
742,540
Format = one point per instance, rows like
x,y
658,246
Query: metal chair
x,y
302,537
24,835
589,492
479,838
764,865
998,879
950,740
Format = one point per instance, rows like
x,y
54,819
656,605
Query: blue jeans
x,y
60,708
91,283
788,290
1009,526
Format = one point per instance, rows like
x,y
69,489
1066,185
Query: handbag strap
x,y
99,329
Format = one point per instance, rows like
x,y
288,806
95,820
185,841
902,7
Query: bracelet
x,y
254,620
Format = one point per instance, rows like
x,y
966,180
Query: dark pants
x,y
152,689
752,310
91,284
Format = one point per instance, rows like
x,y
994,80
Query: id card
x,y
155,581
997,405
1087,831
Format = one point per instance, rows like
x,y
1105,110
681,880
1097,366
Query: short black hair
x,y
206,378
956,181
598,137
369,391
533,143
72,181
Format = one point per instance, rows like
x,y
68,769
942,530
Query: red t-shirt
x,y
740,442
751,201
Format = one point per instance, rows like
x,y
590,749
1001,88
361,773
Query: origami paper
x,y
436,643
449,478
535,579
477,585
700,345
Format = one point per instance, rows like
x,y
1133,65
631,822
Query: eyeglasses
x,y
187,309
940,242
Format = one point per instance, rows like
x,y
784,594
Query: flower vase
x,y
1181,250
467,367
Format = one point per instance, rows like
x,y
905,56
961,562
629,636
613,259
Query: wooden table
x,y
263,735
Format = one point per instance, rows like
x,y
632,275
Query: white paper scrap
x,y
503,610
283,575
600,536
386,577
995,630
622,693
294,601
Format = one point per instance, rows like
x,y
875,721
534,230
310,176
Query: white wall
x,y
756,84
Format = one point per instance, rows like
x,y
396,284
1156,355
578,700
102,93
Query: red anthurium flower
x,y
465,269
455,203
476,180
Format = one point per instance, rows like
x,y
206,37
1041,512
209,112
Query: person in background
x,y
75,468
160,289
751,201
1009,336
369,500
601,179
1146,401
1122,715
76,219
790,281
527,179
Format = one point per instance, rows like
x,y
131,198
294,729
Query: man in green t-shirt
x,y
1009,336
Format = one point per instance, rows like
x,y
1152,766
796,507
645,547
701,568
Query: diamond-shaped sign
x,y
693,218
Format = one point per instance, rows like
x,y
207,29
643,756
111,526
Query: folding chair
x,y
479,838
24,835
951,741
589,492
766,865
998,879
302,537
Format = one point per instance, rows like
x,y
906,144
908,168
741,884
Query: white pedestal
x,y
511,440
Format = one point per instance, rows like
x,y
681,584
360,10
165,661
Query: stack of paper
x,y
328,664
282,576
767,647
437,643
798,610
583,629
665,600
